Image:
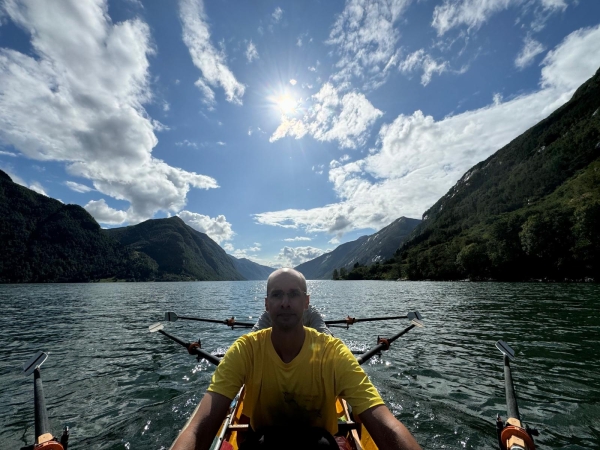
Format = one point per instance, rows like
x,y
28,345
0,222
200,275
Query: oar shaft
x,y
170,336
198,351
41,415
366,319
201,320
198,319
372,352
511,399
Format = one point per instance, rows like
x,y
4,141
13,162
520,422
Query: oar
x,y
42,428
193,348
384,344
173,317
352,320
512,435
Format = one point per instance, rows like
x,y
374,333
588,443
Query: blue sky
x,y
280,129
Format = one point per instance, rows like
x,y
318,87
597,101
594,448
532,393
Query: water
x,y
119,387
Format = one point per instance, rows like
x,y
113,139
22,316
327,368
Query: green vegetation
x,y
44,240
179,252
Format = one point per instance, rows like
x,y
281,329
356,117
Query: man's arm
x,y
386,430
200,431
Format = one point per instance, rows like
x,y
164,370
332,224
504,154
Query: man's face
x,y
286,301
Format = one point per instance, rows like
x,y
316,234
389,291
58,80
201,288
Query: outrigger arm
x,y
193,348
384,344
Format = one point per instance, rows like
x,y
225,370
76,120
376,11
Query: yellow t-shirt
x,y
299,393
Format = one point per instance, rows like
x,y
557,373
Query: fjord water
x,y
119,387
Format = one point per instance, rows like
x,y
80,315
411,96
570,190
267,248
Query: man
x,y
292,375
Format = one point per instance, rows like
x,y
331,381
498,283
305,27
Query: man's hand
x,y
386,430
200,431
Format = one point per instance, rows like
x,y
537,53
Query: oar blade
x,y
505,349
171,316
35,362
416,319
414,315
155,327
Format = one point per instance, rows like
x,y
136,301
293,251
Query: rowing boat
x,y
351,435
235,427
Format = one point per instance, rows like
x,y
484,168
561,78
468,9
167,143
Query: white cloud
x,y
79,99
573,61
37,187
277,15
81,188
418,159
474,13
331,118
104,213
298,238
2,152
292,257
217,228
365,40
293,82
251,52
312,68
186,143
426,63
221,143
248,253
531,48
210,61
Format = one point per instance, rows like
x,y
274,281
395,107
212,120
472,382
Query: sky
x,y
279,128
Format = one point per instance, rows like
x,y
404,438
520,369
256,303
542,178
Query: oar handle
x,y
512,408
382,344
192,349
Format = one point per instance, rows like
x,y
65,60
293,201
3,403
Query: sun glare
x,y
286,104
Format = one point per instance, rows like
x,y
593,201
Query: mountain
x,y
366,250
44,240
180,252
530,211
251,270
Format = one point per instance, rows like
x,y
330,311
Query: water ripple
x,y
119,387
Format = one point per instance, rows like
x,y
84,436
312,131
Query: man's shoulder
x,y
253,339
323,339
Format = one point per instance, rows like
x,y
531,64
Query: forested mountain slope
x,y
44,240
251,270
365,250
180,252
531,210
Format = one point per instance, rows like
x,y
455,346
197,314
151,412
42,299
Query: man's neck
x,y
288,343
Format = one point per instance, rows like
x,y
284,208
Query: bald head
x,y
286,273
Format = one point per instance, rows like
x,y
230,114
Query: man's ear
x,y
266,305
307,302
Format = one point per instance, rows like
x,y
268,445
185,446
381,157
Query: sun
x,y
286,104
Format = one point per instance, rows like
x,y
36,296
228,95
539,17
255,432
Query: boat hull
x,y
232,432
